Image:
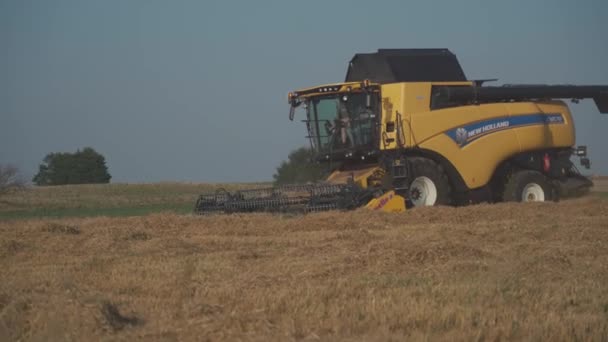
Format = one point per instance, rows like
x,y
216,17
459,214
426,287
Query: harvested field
x,y
534,271
600,184
108,199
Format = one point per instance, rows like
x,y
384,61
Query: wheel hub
x,y
533,192
423,192
415,194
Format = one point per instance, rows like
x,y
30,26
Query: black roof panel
x,y
405,65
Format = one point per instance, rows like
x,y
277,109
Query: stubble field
x,y
487,272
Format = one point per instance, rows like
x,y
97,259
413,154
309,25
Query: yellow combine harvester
x,y
407,129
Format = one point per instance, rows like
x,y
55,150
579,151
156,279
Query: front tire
x,y
430,185
528,186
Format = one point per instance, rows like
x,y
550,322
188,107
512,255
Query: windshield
x,y
342,121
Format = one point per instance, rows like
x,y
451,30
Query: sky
x,y
196,90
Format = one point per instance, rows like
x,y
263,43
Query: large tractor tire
x,y
528,186
430,185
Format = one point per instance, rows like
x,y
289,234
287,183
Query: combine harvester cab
x,y
407,129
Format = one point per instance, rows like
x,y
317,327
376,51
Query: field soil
x,y
600,184
535,271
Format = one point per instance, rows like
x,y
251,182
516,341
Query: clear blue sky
x,y
196,90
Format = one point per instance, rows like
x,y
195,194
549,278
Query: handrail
x,y
400,131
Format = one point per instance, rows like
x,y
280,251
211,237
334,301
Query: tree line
x,y
299,168
87,166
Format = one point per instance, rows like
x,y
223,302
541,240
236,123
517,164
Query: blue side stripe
x,y
466,134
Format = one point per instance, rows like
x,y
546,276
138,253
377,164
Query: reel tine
x,y
288,198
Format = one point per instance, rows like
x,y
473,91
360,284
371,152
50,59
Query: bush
x,y
300,168
10,179
82,167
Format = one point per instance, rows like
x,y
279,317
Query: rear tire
x,y
528,186
430,185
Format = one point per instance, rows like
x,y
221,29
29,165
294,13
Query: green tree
x,y
300,168
85,166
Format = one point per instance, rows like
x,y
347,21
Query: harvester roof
x,y
405,65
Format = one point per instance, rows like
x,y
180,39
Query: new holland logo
x,y
461,136
464,135
383,202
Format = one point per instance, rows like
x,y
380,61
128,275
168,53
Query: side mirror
x,y
292,112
